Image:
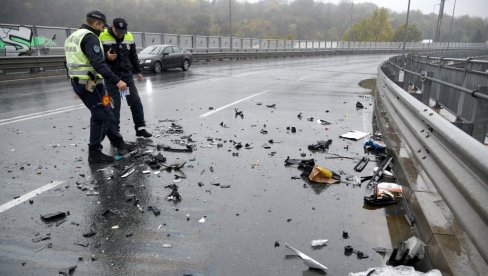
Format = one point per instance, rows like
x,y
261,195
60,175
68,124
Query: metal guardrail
x,y
457,85
456,163
33,64
46,40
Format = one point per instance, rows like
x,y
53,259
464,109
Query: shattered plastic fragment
x,y
115,227
359,105
167,245
202,220
307,260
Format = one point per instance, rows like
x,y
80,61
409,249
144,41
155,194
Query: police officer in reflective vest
x,y
121,56
87,68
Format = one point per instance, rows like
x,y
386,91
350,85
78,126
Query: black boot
x,y
142,132
98,157
125,148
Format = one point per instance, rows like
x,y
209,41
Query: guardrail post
x,y
480,116
467,68
426,87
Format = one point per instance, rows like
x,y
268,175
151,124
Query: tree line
x,y
299,19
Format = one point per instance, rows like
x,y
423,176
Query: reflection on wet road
x,y
238,227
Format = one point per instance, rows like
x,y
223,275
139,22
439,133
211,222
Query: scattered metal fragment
x,y
238,113
324,122
154,209
60,222
276,244
308,261
174,195
225,186
320,145
359,105
127,171
345,235
89,234
81,243
271,105
188,148
159,157
42,238
39,249
49,217
362,164
68,271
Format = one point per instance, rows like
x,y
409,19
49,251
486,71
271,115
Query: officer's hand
x,y
110,56
121,85
140,77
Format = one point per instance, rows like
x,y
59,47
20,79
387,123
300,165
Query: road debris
x,y
41,238
308,261
375,145
395,271
50,217
128,170
89,234
68,271
318,243
320,145
323,175
409,253
154,209
361,164
174,195
359,105
354,135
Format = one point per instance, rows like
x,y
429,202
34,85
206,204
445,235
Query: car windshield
x,y
152,50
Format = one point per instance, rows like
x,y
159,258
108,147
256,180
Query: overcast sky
x,y
463,7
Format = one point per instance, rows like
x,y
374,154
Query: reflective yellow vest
x,y
76,61
107,39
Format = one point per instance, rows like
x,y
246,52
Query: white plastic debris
x,y
148,171
385,172
396,271
307,260
315,243
115,227
167,245
354,135
202,220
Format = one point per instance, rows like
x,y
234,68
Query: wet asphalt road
x,y
44,132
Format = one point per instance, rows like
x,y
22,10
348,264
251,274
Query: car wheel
x,y
186,65
157,67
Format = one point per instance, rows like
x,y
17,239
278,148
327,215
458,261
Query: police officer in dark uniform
x,y
121,56
87,68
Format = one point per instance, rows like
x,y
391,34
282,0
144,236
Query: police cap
x,y
120,25
98,15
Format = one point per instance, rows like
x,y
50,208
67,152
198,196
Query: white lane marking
x,y
233,103
29,195
39,114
